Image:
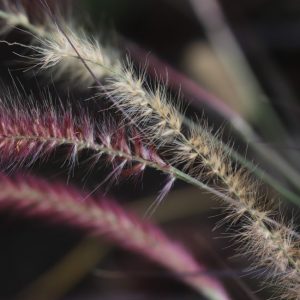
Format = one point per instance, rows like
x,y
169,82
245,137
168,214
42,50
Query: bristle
x,y
159,123
13,15
148,108
276,249
55,54
164,191
28,134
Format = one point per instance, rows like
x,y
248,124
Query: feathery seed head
x,y
197,153
276,249
12,15
31,133
53,202
147,108
55,51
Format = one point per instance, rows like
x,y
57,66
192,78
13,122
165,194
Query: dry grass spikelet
x,y
54,50
53,202
277,250
149,108
194,151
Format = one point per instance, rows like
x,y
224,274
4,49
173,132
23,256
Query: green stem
x,y
260,173
169,170
39,31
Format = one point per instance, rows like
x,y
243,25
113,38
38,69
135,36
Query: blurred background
x,y
236,62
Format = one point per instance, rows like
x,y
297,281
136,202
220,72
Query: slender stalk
x,y
20,19
258,223
100,149
246,85
198,96
31,134
196,151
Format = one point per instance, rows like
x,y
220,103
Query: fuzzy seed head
x,y
56,52
53,202
148,108
31,133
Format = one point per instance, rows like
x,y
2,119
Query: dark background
x,y
269,34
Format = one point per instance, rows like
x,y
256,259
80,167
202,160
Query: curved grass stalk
x,y
198,96
44,133
28,135
17,17
197,152
247,87
254,169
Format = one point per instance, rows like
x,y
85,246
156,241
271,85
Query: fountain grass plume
x,y
53,54
52,50
53,202
32,130
192,153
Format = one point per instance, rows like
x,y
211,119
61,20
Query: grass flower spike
x,y
56,52
27,135
31,133
53,50
159,140
35,198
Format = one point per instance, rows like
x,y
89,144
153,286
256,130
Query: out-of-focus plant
x,y
152,134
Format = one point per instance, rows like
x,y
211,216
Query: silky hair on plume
x,y
33,129
153,134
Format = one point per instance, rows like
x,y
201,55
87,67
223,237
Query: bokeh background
x,y
195,44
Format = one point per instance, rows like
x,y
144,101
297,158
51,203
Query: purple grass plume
x,y
53,202
32,132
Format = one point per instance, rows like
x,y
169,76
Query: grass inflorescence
x,y
151,135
